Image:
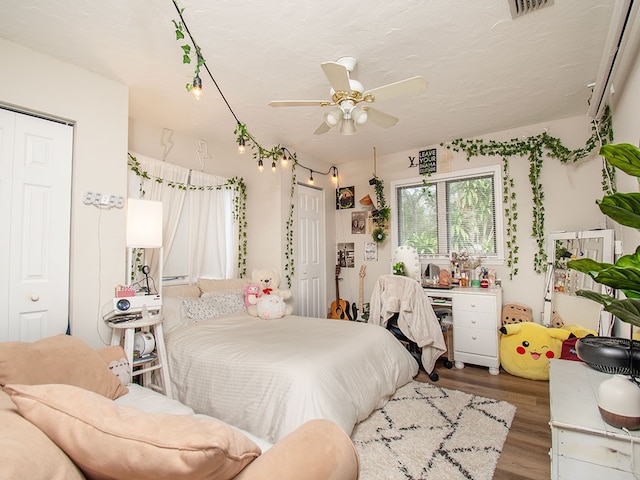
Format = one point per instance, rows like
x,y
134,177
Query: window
x,y
449,213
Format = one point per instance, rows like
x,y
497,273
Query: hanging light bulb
x,y
334,177
283,159
241,147
197,87
311,177
273,166
260,165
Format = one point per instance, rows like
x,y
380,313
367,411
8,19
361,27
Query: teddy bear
x,y
527,347
268,281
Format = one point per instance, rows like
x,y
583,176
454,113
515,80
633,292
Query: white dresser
x,y
476,321
583,446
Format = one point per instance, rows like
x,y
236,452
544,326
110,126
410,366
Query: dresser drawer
x,y
479,342
476,321
475,303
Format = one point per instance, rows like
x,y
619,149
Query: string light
x,y
197,87
243,134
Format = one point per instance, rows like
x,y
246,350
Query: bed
x,y
270,376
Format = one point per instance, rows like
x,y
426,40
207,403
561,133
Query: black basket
x,y
610,354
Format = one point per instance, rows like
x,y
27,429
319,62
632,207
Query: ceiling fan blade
x,y
403,87
299,103
381,119
337,75
323,128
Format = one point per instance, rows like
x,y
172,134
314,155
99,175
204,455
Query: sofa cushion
x,y
110,441
20,440
58,359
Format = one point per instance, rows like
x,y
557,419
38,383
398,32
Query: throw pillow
x,y
117,362
58,359
110,441
215,304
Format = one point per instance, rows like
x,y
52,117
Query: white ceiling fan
x,y
347,94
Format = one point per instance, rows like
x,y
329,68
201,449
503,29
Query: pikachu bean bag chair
x,y
527,347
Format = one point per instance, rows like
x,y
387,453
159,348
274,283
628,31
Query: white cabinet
x,y
476,320
582,445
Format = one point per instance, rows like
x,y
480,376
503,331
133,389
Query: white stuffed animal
x,y
269,281
271,307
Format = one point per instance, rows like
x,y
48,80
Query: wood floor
x,y
525,455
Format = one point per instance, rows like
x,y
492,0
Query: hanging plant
x,y
236,184
535,148
381,215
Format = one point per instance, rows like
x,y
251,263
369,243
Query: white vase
x,y
619,402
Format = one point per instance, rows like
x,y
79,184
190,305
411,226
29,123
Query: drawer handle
x,y
473,337
35,297
473,321
473,305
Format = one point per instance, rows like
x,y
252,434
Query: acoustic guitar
x,y
339,308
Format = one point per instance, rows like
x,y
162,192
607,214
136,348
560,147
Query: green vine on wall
x,y
236,184
290,264
535,149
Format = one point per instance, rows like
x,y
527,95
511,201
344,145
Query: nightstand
x,y
124,334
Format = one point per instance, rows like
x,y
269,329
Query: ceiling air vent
x,y
520,7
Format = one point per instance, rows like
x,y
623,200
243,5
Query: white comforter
x,y
269,377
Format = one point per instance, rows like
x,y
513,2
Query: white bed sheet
x,y
269,377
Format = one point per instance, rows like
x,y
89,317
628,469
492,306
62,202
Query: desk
x,y
582,445
476,321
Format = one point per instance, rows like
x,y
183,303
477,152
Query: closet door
x,y
36,213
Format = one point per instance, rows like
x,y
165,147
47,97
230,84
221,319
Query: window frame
x,y
494,170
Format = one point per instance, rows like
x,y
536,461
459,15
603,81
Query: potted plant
x,y
610,354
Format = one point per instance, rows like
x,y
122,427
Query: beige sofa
x,y
66,414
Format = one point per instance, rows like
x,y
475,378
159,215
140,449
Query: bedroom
x,y
107,130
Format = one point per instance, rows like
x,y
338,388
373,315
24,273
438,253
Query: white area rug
x,y
427,432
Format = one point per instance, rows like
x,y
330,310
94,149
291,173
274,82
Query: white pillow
x,y
215,304
174,313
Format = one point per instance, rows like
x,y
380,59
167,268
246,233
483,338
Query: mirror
x,y
562,283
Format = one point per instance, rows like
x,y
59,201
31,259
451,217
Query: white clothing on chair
x,y
416,318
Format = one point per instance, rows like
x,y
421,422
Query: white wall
x,y
98,106
570,195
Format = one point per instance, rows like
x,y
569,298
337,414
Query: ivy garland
x,y
535,148
290,264
236,184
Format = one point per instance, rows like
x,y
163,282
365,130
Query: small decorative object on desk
x,y
619,402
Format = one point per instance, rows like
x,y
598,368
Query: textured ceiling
x,y
486,71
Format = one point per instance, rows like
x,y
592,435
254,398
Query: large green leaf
x,y
624,208
624,156
624,275
627,309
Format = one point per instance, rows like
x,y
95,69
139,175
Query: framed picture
x,y
358,222
427,161
346,255
370,251
345,197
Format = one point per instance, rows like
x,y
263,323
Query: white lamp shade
x,y
144,223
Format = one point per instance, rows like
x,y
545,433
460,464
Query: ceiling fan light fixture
x,y
360,115
348,127
333,117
